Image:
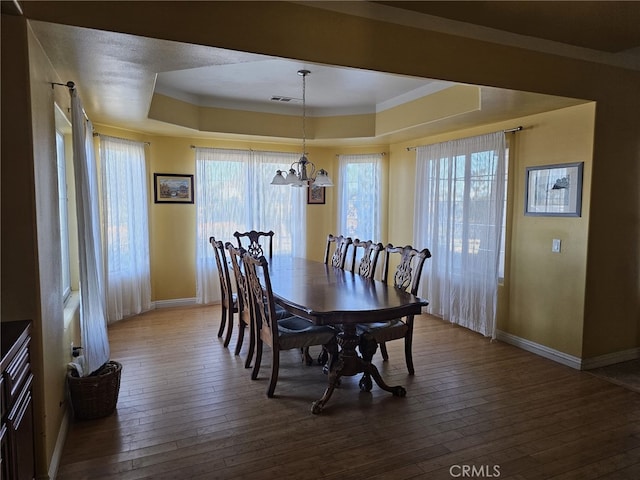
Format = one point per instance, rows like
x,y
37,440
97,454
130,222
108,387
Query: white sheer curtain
x,y
233,192
125,227
460,188
359,196
280,208
93,318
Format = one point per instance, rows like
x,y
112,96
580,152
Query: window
x,y
63,214
459,216
503,231
359,196
233,193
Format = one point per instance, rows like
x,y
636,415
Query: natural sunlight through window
x,y
63,214
359,196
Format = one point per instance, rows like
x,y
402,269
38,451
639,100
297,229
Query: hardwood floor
x,y
474,409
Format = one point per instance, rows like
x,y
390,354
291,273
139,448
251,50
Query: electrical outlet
x,y
556,245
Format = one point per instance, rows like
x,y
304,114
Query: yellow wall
x,y
612,306
556,137
19,271
447,103
542,299
172,226
611,281
31,265
548,289
55,333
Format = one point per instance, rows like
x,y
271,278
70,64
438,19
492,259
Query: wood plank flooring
x,y
474,409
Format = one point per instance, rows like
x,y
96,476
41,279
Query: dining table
x,y
328,295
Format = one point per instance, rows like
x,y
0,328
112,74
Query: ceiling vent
x,y
279,98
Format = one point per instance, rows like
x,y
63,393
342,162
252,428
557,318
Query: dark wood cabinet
x,y
4,443
16,392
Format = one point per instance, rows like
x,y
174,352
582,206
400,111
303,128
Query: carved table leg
x,y
334,381
350,363
397,391
368,347
344,365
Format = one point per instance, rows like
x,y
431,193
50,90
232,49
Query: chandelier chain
x,y
304,113
303,172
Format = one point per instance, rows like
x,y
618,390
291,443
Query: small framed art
x,y
315,195
172,188
554,190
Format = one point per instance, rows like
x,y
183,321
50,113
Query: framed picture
x,y
172,188
554,190
315,195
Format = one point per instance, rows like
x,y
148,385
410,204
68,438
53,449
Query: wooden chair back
x,y
339,256
409,270
228,305
226,288
368,260
235,256
244,311
254,248
406,277
261,298
290,332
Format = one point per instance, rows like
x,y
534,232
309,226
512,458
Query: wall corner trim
x,y
610,358
174,302
542,350
54,464
566,359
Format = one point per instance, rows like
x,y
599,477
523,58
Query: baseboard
x,y
542,350
59,446
610,358
566,359
175,302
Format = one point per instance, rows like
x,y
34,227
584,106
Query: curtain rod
x,y
221,148
509,130
374,153
70,85
97,134
245,150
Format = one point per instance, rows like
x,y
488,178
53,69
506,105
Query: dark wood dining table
x,y
331,296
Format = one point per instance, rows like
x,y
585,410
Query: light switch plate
x,y
555,245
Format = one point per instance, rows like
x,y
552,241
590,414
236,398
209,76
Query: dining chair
x,y
405,277
244,314
254,248
338,260
228,299
285,334
368,261
366,267
339,256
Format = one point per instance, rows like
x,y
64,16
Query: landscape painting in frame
x,y
172,188
554,190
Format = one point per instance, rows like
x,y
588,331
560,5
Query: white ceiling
x,y
117,75
250,85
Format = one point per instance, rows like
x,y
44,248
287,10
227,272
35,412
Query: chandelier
x,y
303,172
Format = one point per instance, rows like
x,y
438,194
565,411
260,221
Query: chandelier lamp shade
x,y
303,172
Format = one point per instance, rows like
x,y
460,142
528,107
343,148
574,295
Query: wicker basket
x,y
95,396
